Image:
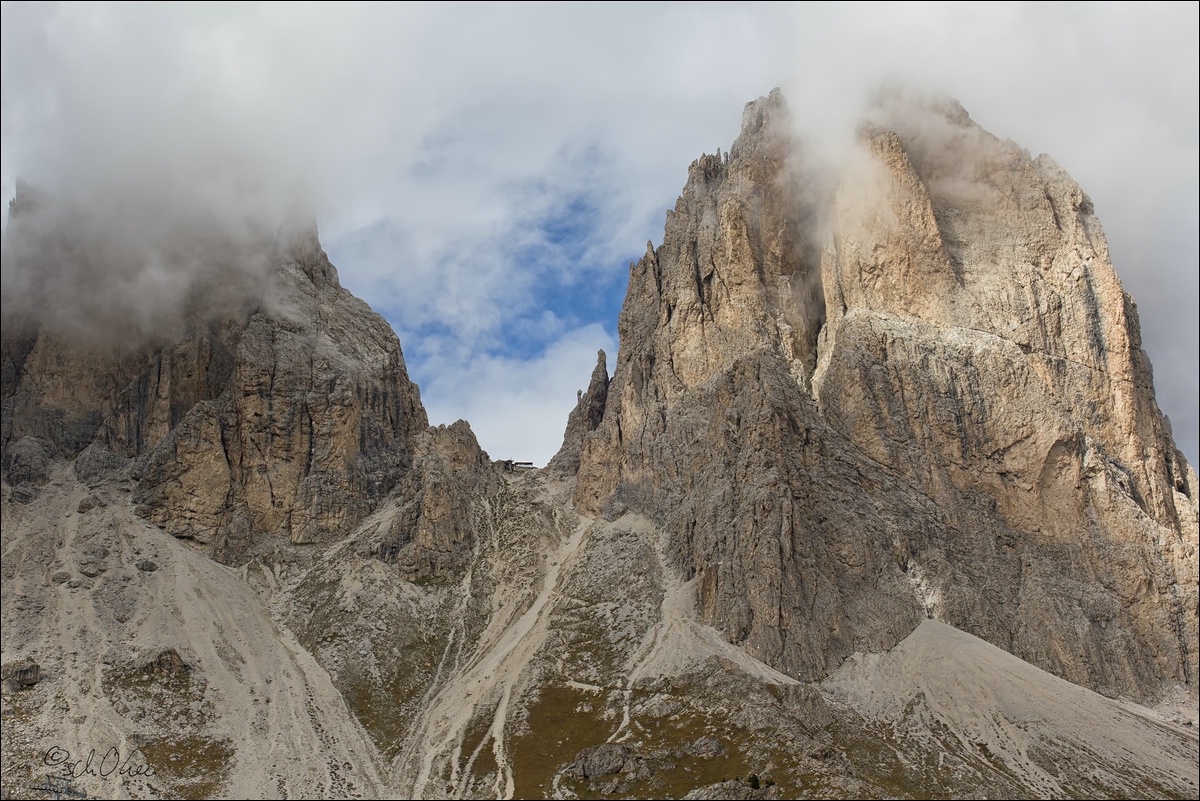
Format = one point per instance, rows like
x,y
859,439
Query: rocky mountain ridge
x,y
852,425
942,412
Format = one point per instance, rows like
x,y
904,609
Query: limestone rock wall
x,y
917,391
284,421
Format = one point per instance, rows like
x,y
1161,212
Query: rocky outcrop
x,y
584,418
599,760
283,419
1003,360
918,392
167,663
734,790
21,674
430,527
950,231
315,426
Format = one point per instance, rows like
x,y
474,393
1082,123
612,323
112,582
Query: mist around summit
x,y
487,191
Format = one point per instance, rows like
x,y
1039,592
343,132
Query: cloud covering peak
x,y
483,174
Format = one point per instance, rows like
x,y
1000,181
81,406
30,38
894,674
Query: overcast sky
x,y
483,175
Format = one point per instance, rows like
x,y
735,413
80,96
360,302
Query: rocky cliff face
x,y
269,423
920,394
282,419
860,433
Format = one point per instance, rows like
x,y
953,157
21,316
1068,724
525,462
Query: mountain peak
x,y
942,331
853,421
764,111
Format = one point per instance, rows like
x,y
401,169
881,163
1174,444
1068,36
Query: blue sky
x,y
483,174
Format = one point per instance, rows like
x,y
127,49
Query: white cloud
x,y
435,141
518,407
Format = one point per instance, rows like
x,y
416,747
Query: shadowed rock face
x,y
283,418
920,391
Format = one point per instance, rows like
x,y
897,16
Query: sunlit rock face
x,y
912,388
